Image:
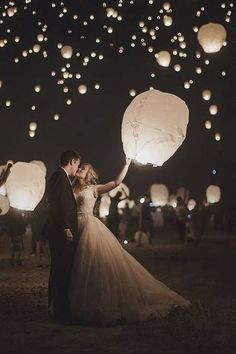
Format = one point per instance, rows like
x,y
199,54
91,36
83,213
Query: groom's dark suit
x,y
62,215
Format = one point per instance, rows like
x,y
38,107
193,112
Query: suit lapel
x,y
69,183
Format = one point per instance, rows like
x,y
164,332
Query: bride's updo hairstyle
x,y
90,178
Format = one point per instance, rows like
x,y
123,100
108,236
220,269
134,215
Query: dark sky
x,y
91,124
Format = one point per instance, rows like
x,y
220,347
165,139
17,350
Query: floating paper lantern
x,y
177,67
121,188
191,204
213,194
206,95
211,37
187,84
132,93
41,165
213,109
104,206
66,51
208,124
36,48
172,201
33,126
166,6
217,137
4,205
159,194
25,185
82,89
167,20
163,58
11,11
37,88
154,126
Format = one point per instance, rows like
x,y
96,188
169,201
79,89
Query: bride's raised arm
x,y
105,188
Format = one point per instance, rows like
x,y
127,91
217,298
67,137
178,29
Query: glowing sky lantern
x,y
66,51
172,201
82,89
154,126
11,11
217,136
41,165
167,20
33,126
163,58
36,48
213,109
177,67
166,6
213,194
206,95
208,124
211,37
121,188
191,204
4,205
104,206
25,185
159,194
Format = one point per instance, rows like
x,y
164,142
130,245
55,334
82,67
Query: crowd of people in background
x,y
140,224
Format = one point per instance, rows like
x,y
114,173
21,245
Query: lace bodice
x,y
85,200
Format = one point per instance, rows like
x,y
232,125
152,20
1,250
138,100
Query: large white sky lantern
x,y
159,194
67,51
41,165
4,205
211,37
25,185
213,194
154,126
163,58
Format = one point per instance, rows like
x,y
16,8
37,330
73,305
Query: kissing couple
x,y
93,279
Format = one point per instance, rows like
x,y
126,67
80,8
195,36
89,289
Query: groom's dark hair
x,y
69,155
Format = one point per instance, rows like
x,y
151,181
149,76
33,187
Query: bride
x,y
107,284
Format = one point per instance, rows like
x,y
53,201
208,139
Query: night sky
x,y
91,124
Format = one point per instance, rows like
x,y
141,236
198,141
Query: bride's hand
x,y
128,161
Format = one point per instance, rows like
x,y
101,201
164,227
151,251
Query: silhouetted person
x,y
113,218
38,221
181,218
16,228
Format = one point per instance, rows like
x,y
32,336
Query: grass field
x,y
203,273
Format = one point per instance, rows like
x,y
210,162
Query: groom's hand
x,y
69,236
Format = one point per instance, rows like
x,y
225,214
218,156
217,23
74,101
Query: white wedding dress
x,y
107,284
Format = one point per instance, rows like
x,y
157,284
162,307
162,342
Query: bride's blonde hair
x,y
90,178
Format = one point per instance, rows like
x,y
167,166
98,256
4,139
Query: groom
x,y
62,230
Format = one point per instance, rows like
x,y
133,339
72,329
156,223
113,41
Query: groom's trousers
x,y
62,255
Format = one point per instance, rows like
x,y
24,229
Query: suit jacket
x,y
62,206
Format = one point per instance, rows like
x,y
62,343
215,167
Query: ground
x,y
203,273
